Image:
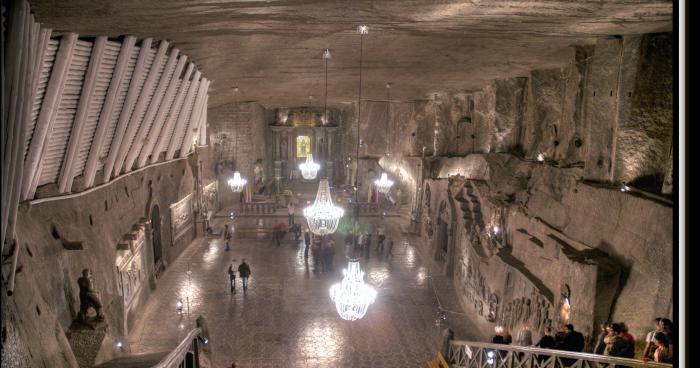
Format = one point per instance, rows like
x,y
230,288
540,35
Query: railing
x,y
470,354
259,207
185,355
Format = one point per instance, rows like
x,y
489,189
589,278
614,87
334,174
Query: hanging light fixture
x,y
324,118
237,182
352,296
384,184
323,216
309,169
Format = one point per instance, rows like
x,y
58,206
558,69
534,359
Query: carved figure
x,y
89,297
493,308
528,310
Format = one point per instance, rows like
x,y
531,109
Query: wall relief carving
x,y
181,217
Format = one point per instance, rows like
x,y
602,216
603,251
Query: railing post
x,y
195,346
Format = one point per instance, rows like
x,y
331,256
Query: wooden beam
x,y
146,127
195,118
157,125
143,101
174,112
183,119
65,179
107,110
203,124
47,115
131,96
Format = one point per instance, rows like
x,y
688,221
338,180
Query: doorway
x,y
155,223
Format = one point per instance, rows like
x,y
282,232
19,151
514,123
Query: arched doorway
x,y
155,223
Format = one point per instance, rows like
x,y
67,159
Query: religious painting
x,y
303,146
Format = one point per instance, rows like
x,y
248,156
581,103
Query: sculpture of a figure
x,y
528,310
493,305
89,298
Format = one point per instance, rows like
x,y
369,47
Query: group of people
x,y
614,340
322,251
243,272
364,242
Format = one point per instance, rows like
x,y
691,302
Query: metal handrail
x,y
476,354
177,356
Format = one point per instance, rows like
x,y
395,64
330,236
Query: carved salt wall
x,y
133,267
209,196
182,220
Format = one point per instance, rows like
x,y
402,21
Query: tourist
x,y
616,345
290,212
559,336
547,341
331,254
524,335
316,251
571,340
498,337
307,243
227,237
232,277
663,352
667,329
600,341
650,347
629,353
507,338
380,238
244,272
391,247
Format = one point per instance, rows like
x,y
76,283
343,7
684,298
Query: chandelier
x,y
237,183
352,296
323,216
384,184
309,169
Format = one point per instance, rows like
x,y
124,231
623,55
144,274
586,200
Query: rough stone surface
x,y
46,288
272,51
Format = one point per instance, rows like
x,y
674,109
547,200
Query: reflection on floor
x,y
286,319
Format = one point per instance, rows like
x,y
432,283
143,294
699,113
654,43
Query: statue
x,y
88,297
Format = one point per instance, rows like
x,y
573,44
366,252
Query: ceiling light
x,y
309,169
352,296
384,184
323,216
237,182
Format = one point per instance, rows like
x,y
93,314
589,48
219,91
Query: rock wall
x,y
559,241
58,238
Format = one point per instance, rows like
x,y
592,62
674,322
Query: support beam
x,y
183,118
131,96
147,124
203,125
195,118
174,110
65,179
158,122
47,116
107,110
143,101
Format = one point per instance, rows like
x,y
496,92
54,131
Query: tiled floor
x,y
286,319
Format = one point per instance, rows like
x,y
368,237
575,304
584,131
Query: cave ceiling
x,y
272,50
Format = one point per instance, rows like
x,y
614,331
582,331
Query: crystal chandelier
x,y
309,169
323,216
237,183
384,184
352,296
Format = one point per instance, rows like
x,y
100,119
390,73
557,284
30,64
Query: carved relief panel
x,y
181,217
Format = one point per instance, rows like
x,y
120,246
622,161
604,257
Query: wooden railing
x,y
186,354
470,354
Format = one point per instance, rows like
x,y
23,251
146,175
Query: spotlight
x,y
624,188
540,157
232,215
204,340
496,230
120,344
179,305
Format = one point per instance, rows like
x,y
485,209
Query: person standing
x,y
616,344
307,243
331,254
390,248
600,342
232,277
650,346
380,238
244,272
227,236
290,212
664,351
316,251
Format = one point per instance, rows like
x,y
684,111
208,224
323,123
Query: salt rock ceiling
x,y
272,50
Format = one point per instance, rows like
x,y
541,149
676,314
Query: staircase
x,y
85,341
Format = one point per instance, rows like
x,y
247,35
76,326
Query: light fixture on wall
x,y
352,296
309,168
323,216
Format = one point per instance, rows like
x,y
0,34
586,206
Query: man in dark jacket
x,y
572,341
307,243
232,277
244,272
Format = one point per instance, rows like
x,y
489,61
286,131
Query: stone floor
x,y
286,319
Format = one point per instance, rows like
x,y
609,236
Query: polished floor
x,y
286,318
